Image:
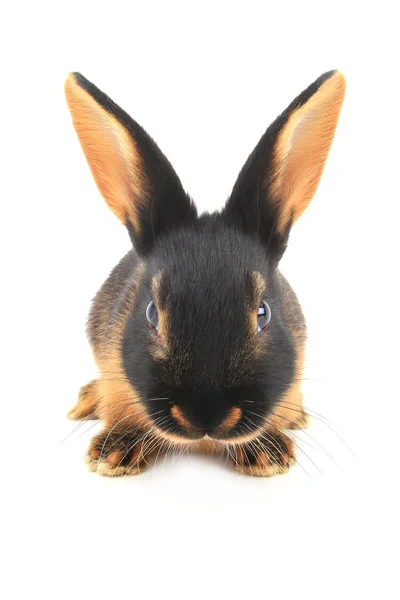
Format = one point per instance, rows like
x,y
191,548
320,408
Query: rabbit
x,y
198,338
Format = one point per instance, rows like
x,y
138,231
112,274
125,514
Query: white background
x,y
205,80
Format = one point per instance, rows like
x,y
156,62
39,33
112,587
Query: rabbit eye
x,y
263,317
152,315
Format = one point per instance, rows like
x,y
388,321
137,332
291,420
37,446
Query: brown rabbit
x,y
198,338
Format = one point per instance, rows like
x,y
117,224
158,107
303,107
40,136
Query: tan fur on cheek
x,y
159,347
259,284
260,341
178,415
158,350
117,397
231,420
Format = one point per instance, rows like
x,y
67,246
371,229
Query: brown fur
x,y
177,413
116,398
111,149
85,408
159,348
231,420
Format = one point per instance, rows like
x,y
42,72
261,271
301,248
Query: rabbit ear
x,y
134,177
281,176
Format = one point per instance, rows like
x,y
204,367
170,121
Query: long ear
x,y
281,176
132,174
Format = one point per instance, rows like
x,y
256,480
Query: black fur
x,y
215,362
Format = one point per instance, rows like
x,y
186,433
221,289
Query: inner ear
x,y
134,177
302,148
110,151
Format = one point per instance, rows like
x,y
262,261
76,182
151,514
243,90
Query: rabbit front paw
x,y
268,455
113,453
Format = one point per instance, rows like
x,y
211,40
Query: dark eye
x,y
152,315
263,317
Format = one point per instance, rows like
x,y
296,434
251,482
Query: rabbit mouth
x,y
228,429
209,429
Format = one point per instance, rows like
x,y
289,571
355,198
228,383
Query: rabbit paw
x,y
114,454
266,456
85,408
304,422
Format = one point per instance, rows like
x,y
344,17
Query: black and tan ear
x,y
132,174
281,176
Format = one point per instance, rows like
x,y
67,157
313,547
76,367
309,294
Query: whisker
x,y
74,430
147,446
169,448
101,412
87,430
137,461
322,419
233,446
181,450
297,446
280,453
137,427
159,451
319,447
283,433
131,446
140,440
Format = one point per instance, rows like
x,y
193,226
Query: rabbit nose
x,y
206,418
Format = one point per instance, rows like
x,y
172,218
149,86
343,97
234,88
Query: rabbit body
x,y
198,337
